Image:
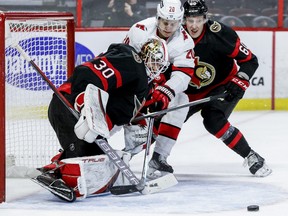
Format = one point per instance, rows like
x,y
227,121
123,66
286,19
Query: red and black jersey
x,y
219,55
120,72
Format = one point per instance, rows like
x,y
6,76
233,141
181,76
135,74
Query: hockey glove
x,y
236,88
161,97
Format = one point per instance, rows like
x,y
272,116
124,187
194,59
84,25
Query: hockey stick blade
x,y
123,189
153,186
192,103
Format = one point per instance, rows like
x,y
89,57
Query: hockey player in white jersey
x,y
168,92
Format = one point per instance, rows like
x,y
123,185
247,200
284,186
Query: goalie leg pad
x,y
89,175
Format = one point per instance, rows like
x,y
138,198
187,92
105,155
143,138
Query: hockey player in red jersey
x,y
217,50
168,93
120,80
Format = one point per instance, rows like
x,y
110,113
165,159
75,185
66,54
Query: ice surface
x,y
212,180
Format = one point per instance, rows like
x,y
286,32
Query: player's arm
x,y
247,62
182,73
232,46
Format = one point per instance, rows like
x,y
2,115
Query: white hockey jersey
x,y
180,50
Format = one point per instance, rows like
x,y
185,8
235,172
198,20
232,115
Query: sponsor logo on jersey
x,y
215,27
204,72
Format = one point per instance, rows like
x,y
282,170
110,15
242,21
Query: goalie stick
x,y
102,143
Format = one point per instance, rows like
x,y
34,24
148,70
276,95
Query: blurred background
x,y
124,13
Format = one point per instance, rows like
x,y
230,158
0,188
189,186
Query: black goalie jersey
x,y
217,50
121,73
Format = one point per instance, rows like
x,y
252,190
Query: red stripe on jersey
x,y
65,87
248,58
223,130
235,140
188,71
118,76
169,131
236,49
98,74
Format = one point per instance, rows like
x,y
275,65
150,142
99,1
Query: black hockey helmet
x,y
195,8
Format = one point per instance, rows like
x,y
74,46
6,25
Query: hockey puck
x,y
253,208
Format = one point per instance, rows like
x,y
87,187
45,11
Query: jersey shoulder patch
x,y
215,27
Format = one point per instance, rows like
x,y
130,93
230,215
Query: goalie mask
x,y
154,53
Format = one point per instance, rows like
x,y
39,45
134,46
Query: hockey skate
x,y
158,163
55,186
257,165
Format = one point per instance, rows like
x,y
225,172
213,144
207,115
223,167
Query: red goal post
x,y
26,137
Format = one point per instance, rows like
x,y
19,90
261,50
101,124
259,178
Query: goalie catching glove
x,y
236,88
92,122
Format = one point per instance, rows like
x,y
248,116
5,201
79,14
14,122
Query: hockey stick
x,y
118,190
102,143
152,186
192,103
124,189
147,150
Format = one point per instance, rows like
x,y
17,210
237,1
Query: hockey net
x,y
27,140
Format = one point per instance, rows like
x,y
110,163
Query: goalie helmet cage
x,y
26,138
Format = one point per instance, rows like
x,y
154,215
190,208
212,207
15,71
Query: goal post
x,y
26,138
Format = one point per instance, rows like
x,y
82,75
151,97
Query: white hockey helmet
x,y
154,53
170,10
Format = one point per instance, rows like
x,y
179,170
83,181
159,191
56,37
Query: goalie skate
x,y
56,187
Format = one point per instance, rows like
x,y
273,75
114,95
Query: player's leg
x,y
215,119
168,132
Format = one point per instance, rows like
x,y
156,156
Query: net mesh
x,y
30,140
